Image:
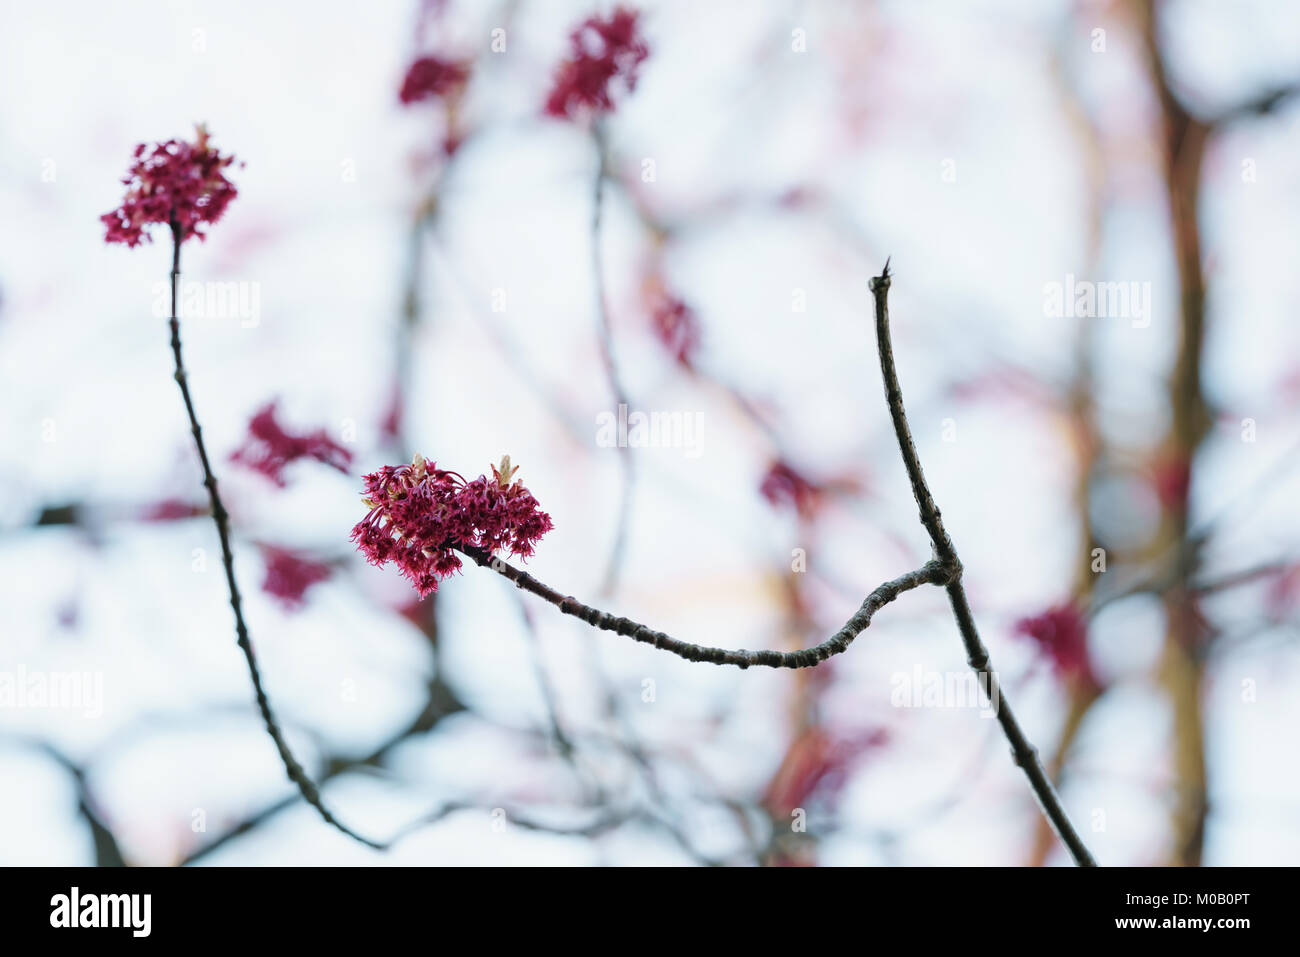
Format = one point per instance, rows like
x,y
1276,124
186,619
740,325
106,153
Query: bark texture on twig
x,y
306,786
976,654
944,569
930,573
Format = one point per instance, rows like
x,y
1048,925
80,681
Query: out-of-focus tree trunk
x,y
1180,674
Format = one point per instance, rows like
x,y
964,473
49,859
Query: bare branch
x,y
976,654
606,340
306,786
931,573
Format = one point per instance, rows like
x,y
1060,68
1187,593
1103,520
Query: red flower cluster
x,y
419,513
172,510
600,52
677,327
185,182
783,485
269,448
1062,634
1172,479
433,78
288,576
817,766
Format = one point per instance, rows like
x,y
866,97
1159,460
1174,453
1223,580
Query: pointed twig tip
x,y
881,282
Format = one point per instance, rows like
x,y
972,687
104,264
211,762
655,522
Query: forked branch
x,y
944,569
977,655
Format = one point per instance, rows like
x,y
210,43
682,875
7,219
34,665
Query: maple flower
x,y
174,181
817,766
601,51
1172,479
289,575
269,447
677,327
1062,634
784,485
432,77
420,513
172,510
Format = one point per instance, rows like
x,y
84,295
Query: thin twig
x,y
616,388
306,786
945,569
930,573
977,655
108,850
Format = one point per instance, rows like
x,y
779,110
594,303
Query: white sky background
x,y
867,116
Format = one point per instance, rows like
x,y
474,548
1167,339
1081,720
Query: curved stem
x,y
932,573
306,786
605,338
977,655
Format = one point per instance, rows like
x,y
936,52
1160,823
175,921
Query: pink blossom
x,y
172,181
783,485
432,77
816,766
420,513
673,322
288,576
601,51
1062,634
390,426
677,327
171,510
1172,478
269,447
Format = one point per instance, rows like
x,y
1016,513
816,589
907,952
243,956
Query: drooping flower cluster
x,y
289,575
270,448
601,51
420,513
432,77
1062,635
175,180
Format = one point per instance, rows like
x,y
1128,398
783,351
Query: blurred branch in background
x,y
798,177
1186,139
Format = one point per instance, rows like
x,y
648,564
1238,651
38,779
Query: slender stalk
x,y
931,573
944,569
977,655
306,786
605,338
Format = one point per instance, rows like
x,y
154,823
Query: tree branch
x,y
605,338
930,573
977,655
297,775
